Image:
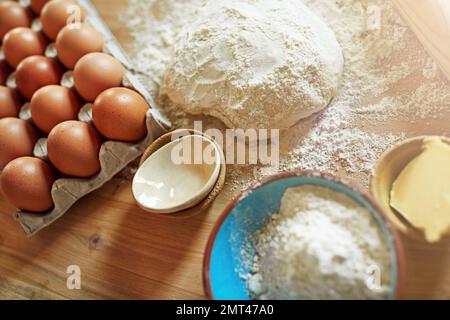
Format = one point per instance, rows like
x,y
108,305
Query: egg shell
x,y
37,5
56,14
4,72
95,73
20,43
10,102
119,114
73,43
17,139
36,72
52,105
27,183
13,15
73,148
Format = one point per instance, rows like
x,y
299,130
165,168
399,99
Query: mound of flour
x,y
258,64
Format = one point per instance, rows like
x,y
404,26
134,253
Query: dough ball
x,y
262,64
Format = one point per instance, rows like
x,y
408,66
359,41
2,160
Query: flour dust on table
x,y
382,91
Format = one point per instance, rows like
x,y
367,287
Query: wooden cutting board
x,y
126,253
430,21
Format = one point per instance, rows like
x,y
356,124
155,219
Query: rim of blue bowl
x,y
395,244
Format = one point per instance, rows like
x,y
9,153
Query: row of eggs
x,y
53,15
117,114
73,146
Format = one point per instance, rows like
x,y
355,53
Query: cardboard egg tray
x,y
114,156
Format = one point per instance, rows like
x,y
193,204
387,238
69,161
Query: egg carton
x,y
114,156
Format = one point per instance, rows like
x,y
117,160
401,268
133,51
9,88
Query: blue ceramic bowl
x,y
251,211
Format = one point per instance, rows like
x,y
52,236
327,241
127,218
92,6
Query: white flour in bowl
x,y
321,245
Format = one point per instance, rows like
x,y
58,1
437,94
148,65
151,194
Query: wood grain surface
x,y
430,21
126,253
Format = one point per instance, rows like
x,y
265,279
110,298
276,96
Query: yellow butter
x,y
421,193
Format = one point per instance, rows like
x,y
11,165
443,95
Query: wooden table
x,y
126,253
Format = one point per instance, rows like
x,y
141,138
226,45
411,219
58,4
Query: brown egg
x,y
52,105
37,5
73,43
96,72
73,148
13,15
10,102
17,139
36,72
27,184
20,43
4,72
119,114
56,14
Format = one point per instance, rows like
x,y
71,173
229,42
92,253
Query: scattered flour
x,y
320,245
351,151
431,69
383,90
154,25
